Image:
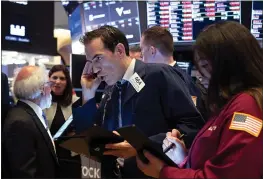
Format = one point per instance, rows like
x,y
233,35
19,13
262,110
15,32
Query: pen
x,y
172,145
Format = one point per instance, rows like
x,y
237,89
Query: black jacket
x,y
163,104
27,148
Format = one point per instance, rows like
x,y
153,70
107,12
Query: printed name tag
x,y
137,82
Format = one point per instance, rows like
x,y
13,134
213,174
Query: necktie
x,y
121,88
45,119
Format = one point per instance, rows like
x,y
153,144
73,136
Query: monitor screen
x,y
69,6
257,19
75,27
123,15
186,19
184,66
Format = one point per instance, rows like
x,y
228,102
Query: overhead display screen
x,y
123,15
75,27
185,19
257,19
184,66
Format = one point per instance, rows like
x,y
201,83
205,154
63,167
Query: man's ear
x,y
153,50
44,91
120,50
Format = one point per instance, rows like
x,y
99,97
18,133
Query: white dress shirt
x,y
39,112
173,63
127,75
129,72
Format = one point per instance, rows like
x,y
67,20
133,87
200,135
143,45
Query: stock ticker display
x,y
257,19
185,19
123,15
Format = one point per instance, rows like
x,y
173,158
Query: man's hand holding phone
x,y
89,82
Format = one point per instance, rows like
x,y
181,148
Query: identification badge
x,y
137,82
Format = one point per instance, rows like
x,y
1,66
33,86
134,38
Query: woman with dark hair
x,y
230,144
58,113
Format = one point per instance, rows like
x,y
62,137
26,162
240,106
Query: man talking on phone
x,y
151,96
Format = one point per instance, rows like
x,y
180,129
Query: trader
x,y
160,50
230,144
151,96
28,147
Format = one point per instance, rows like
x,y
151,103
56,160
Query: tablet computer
x,y
93,140
62,129
141,142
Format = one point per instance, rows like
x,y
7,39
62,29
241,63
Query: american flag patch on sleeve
x,y
247,123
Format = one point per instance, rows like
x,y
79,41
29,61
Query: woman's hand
x,y
178,152
153,168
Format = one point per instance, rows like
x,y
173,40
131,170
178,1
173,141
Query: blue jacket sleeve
x,y
84,116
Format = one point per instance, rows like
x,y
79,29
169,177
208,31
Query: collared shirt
x,y
173,63
38,112
129,72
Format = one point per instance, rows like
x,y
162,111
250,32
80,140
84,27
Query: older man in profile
x,y
28,147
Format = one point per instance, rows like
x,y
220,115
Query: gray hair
x,y
30,88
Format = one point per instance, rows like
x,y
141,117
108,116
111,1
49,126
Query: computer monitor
x,y
257,20
184,66
75,26
186,19
69,6
121,14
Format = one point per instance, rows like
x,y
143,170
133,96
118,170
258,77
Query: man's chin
x,y
46,106
110,82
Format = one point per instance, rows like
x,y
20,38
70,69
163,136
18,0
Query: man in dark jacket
x,y
28,147
160,50
151,96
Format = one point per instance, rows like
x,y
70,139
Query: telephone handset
x,y
91,75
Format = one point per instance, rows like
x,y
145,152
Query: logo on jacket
x,y
212,128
